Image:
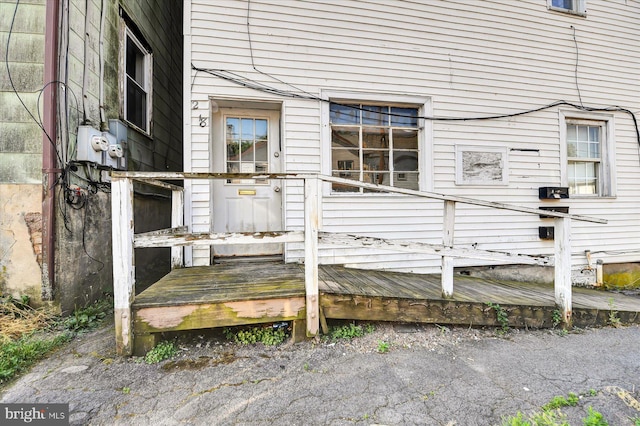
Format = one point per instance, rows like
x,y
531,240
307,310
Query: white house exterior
x,y
526,94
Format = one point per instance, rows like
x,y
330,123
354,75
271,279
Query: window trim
x,y
579,8
129,33
607,185
425,134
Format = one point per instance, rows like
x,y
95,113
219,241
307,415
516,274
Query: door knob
x,y
276,188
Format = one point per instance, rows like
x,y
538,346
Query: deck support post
x,y
311,215
562,267
448,223
177,220
123,262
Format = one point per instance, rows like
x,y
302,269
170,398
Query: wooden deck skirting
x,y
124,242
256,292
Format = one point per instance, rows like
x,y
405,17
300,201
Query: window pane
x,y
338,187
261,151
375,115
233,128
375,160
135,62
583,134
572,149
572,134
261,129
246,150
375,137
406,180
345,138
136,105
233,167
405,139
377,178
405,161
344,114
583,178
404,117
247,128
345,159
233,150
565,4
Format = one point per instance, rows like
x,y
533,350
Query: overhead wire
x,y
251,84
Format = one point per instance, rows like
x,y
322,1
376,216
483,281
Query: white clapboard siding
x,y
471,59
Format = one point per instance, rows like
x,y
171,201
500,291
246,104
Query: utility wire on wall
x,y
252,84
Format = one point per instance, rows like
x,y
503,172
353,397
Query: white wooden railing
x,y
177,237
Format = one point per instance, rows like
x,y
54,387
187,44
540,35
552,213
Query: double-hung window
x,y
137,82
589,162
375,144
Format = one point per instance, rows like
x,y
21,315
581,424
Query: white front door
x,y
246,141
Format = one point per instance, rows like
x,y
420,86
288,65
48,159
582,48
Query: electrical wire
x,y
252,58
13,86
575,73
245,82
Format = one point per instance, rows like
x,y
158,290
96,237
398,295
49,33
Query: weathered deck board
x,y
235,293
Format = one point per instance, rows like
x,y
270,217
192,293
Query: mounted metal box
x,y
90,145
553,192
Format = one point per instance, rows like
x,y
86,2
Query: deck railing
x,y
178,236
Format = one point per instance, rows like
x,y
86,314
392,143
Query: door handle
x,y
276,188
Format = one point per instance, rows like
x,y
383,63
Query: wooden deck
x,y
237,293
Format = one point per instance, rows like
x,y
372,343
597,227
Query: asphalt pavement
x,y
444,376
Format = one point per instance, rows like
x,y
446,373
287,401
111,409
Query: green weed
x,y
350,331
556,318
594,418
18,355
88,318
383,347
501,316
614,320
267,335
126,390
560,401
163,350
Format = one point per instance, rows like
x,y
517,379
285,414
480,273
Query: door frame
x,y
218,109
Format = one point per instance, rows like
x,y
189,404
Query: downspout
x,y
49,170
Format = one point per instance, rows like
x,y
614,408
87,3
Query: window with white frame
x,y
374,143
577,7
588,144
137,82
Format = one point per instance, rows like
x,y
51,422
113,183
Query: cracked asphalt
x,y
459,377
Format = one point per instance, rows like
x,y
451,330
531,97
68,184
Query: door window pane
x,y
246,139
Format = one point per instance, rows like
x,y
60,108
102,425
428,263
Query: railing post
x,y
177,219
448,223
311,215
123,262
562,267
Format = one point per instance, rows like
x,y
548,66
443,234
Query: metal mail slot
x,y
246,192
